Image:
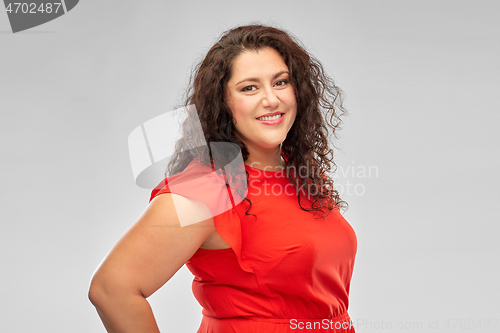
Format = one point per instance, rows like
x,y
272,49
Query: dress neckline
x,y
267,172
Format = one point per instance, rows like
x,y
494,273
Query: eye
x,y
281,82
249,88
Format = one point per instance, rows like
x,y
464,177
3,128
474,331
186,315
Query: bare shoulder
x,y
176,210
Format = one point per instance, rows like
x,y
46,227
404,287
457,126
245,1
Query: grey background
x,y
422,82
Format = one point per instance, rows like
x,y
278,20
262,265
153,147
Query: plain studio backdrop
x,y
417,160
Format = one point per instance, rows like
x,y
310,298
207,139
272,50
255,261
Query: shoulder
x,y
195,193
180,210
181,183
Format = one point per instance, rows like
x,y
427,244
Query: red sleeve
x,y
199,182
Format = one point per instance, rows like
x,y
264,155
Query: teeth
x,y
277,116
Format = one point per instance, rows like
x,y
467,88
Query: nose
x,y
270,99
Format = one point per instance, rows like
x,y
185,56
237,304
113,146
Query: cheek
x,y
292,103
241,108
291,98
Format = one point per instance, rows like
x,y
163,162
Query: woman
x,y
279,256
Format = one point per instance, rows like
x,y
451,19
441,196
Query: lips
x,y
274,118
270,116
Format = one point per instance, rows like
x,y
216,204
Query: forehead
x,y
266,61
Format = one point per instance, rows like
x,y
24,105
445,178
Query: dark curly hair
x,y
319,111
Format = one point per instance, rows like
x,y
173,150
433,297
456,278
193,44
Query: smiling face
x,y
261,99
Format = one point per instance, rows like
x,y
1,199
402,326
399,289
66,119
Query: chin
x,y
271,145
267,143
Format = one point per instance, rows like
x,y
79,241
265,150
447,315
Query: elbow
x,y
101,290
96,292
108,290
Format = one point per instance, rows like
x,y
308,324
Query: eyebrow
x,y
254,79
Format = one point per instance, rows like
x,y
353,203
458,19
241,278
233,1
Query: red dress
x,y
285,271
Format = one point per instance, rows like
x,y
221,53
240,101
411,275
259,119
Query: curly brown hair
x,y
319,111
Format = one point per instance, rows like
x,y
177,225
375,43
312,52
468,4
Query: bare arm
x,y
144,259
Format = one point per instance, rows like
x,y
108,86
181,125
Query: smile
x,y
272,119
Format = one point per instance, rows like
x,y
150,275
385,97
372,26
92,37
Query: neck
x,y
269,160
